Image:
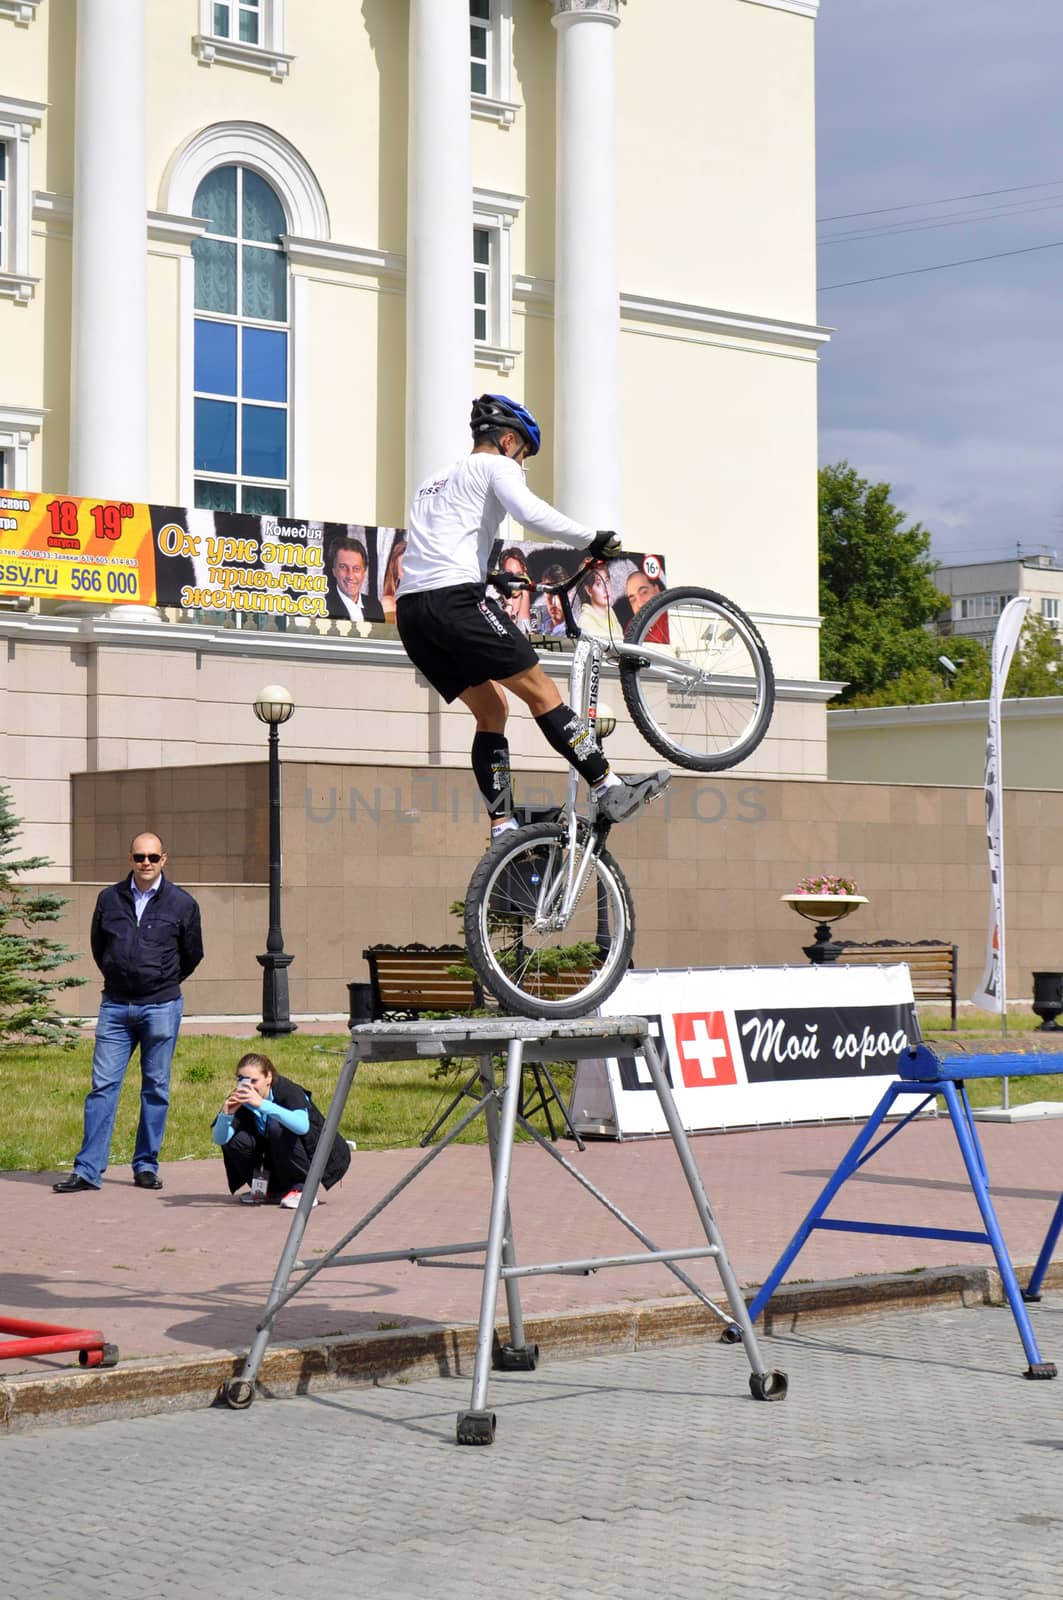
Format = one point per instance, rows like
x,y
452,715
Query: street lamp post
x,y
274,706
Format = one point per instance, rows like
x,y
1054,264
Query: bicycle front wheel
x,y
549,930
704,692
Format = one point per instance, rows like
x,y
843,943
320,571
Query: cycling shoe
x,y
628,796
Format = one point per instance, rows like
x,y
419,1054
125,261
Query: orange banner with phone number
x,y
215,563
59,547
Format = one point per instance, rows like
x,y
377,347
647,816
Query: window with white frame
x,y
481,279
289,178
243,33
491,60
242,363
237,19
970,606
19,428
1050,609
479,45
492,286
19,120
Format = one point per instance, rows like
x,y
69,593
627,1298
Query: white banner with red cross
x,y
750,1046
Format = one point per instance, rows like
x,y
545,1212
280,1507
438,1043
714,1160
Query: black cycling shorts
x,y
458,639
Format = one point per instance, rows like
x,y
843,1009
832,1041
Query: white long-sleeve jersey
x,y
455,518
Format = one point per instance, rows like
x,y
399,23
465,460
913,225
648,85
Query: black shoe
x,y
147,1180
623,799
74,1185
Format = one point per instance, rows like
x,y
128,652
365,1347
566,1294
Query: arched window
x,y
242,346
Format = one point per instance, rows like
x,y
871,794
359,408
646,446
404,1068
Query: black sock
x,y
574,740
490,765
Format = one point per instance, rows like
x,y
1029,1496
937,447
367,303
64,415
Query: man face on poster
x,y
640,590
349,568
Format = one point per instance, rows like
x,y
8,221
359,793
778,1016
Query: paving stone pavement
x,y
185,1270
910,1459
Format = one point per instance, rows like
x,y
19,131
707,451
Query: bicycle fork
x,y
565,877
562,887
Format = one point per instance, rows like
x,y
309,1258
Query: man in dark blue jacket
x,y
145,940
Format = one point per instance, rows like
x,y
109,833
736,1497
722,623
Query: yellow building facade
x,y
603,207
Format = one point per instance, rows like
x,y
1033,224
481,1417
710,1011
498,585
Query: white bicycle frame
x,y
559,892
583,681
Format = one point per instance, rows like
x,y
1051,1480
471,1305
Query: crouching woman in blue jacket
x,y
268,1130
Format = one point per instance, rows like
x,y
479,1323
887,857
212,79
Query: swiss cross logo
x,y
703,1049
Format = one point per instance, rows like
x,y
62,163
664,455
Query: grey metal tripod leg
x,y
429,1133
239,1392
764,1385
517,1355
477,1425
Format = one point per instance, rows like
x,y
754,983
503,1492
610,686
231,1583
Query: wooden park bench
x,y
931,963
407,980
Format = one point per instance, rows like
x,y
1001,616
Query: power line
x,y
942,266
891,230
913,205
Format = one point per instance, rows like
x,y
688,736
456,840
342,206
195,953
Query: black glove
x,y
604,543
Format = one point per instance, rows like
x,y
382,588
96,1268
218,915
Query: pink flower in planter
x,y
826,883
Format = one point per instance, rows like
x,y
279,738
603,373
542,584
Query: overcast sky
x,y
946,384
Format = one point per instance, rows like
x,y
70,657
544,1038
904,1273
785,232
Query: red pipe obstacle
x,y
51,1338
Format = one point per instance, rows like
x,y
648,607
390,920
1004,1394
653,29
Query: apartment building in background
x,y
978,591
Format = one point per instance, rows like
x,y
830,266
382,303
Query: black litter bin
x,y
360,1008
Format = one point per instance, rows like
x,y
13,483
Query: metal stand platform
x,y
522,1043
928,1075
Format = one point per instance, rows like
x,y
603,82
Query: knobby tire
x,y
719,717
540,974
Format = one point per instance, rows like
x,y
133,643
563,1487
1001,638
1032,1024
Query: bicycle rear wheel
x,y
534,961
704,693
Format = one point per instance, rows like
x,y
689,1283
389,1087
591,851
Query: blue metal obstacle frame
x,y
926,1074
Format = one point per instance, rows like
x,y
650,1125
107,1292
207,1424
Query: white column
x,y
109,355
587,454
439,311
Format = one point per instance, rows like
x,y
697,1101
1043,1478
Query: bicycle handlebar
x,y
514,582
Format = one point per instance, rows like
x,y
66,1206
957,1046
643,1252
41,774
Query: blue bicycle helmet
x,y
493,413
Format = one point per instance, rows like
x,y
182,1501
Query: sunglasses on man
x,y
140,859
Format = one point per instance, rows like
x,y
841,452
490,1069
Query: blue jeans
x,y
119,1029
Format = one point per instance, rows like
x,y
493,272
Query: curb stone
x,y
187,1383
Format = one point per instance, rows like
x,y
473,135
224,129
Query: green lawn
x,y
42,1091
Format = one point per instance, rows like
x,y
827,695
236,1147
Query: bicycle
x,y
698,682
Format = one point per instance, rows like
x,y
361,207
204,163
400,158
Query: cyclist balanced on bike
x,y
464,643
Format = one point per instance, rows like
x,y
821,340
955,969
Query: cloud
x,y
932,484
947,384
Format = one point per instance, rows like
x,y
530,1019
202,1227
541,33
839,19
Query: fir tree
x,y
28,959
